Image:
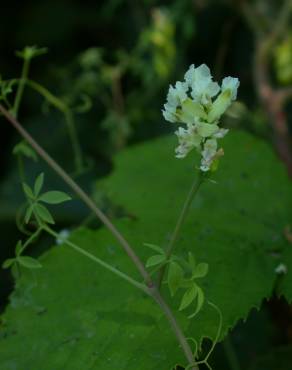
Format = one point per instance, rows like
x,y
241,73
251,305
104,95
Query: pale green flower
x,y
228,94
232,84
188,139
206,130
199,103
208,153
200,81
175,97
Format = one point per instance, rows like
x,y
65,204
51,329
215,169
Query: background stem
x,y
19,92
69,119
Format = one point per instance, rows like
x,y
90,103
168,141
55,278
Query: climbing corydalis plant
x,y
199,103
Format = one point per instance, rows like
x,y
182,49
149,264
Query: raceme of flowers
x,y
199,103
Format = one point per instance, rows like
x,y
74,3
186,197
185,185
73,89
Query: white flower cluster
x,y
199,102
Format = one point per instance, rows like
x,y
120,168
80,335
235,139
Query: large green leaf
x,y
72,315
236,223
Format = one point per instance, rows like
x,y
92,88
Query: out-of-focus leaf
x,y
188,297
39,182
155,260
29,262
43,213
174,277
54,197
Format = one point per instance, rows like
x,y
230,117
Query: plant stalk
x,y
154,292
22,81
31,239
69,119
175,235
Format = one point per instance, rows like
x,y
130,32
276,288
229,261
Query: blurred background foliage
x,y
110,63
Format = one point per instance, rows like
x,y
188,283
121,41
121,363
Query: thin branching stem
x,y
175,235
69,119
154,292
31,239
100,262
60,105
20,89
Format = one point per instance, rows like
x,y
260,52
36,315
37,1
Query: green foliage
x,y
22,148
5,90
20,260
155,260
28,191
174,277
30,52
65,316
82,317
181,275
41,213
38,185
188,297
54,197
29,262
235,225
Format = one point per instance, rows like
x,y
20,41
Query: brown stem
x,y
272,99
175,327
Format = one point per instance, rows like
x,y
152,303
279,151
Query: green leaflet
x,y
200,270
43,213
28,191
155,260
174,277
29,262
38,185
188,297
54,197
22,148
200,301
